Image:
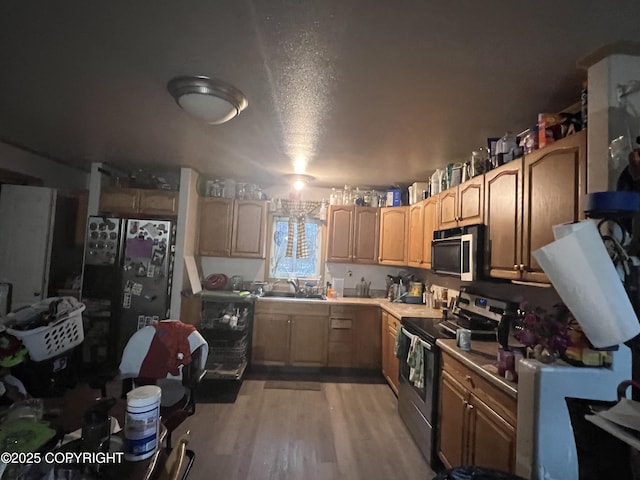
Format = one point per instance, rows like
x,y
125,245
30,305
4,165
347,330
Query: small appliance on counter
x,y
484,316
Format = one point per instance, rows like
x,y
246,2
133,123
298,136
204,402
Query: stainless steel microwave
x,y
459,252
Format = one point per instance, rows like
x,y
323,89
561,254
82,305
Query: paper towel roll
x,y
579,267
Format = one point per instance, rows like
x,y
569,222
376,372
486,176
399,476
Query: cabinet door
x,y
367,338
448,208
214,238
394,362
492,441
340,233
416,232
393,236
471,201
271,339
120,201
384,347
453,417
503,218
430,220
309,340
249,229
555,183
366,231
159,202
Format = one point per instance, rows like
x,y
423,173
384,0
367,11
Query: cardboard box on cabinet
x,y
549,128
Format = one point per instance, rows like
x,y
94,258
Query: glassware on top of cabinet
x,y
347,196
333,198
241,190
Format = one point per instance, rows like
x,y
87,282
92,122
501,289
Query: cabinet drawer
x,y
345,336
505,405
393,322
341,323
343,310
292,307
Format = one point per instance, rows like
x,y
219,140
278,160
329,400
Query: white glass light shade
x,y
213,101
212,110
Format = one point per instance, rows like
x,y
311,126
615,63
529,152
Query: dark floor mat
x,y
322,375
218,391
292,385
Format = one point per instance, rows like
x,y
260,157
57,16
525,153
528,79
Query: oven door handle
x,y
410,336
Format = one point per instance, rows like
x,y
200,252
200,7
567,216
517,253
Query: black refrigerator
x,y
126,283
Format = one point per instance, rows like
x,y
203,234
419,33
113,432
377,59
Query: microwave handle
x,y
467,257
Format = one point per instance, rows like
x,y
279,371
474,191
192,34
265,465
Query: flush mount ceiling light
x,y
299,180
208,99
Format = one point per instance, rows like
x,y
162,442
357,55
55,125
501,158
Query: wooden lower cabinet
x,y
286,333
308,340
477,421
453,421
390,363
492,438
354,337
271,338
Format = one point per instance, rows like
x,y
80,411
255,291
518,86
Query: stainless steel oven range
x,y
418,400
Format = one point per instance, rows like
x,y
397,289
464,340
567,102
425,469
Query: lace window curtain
x,y
298,211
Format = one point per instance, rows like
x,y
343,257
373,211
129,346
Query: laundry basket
x,y
63,332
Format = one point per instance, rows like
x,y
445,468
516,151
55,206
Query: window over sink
x,y
286,258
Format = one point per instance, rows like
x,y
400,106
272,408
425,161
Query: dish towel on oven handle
x,y
415,360
401,343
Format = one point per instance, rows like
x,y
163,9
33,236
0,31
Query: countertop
x,y
397,309
482,359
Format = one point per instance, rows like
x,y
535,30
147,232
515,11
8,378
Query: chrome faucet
x,y
296,284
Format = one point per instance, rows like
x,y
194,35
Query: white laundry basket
x,y
62,334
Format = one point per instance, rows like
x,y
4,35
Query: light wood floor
x,y
344,431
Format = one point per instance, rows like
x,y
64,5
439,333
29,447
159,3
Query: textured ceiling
x,y
371,92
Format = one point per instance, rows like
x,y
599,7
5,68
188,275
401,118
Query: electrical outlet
x,y
349,273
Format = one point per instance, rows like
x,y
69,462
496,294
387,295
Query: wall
x,y
542,296
53,174
611,115
185,237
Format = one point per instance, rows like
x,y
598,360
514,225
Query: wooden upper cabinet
x,y
463,204
471,201
416,235
216,215
340,233
422,223
503,218
159,202
353,234
234,228
137,202
366,231
124,201
430,223
393,235
525,198
249,229
448,208
555,184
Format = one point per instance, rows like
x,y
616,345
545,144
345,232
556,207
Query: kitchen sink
x,y
301,295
